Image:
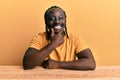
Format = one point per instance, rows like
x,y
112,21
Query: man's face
x,y
56,20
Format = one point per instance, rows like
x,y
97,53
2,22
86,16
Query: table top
x,y
39,73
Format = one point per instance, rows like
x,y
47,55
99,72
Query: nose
x,y
57,21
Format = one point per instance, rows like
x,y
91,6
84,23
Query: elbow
x,y
27,66
92,65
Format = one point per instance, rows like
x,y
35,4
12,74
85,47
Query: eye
x,y
51,18
61,18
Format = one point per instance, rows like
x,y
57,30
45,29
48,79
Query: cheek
x,y
63,21
63,24
50,23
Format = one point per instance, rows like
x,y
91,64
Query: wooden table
x,y
39,73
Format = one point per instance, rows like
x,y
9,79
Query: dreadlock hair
x,y
45,18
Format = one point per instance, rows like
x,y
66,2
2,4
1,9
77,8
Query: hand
x,y
50,64
58,38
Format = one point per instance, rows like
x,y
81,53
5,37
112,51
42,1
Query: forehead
x,y
55,11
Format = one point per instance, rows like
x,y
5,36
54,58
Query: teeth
x,y
58,27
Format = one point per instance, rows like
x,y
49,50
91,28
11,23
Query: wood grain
x,y
39,73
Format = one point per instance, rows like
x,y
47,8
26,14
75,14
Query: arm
x,y
85,62
34,57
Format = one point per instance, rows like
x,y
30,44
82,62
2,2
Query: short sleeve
x,y
35,43
79,44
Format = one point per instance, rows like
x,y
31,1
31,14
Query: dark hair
x,y
45,18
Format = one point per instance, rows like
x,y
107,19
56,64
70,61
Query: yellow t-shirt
x,y
65,52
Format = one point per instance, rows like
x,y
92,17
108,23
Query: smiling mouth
x,y
57,31
57,27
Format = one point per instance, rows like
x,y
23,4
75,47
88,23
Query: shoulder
x,y
40,35
76,38
78,41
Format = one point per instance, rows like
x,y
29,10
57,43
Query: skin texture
x,y
34,57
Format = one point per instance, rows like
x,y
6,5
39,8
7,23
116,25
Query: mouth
x,y
57,25
57,29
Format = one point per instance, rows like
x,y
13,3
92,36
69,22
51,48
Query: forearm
x,y
36,58
81,64
85,61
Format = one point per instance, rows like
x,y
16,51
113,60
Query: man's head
x,y
55,18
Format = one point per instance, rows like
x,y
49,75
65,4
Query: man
x,y
56,48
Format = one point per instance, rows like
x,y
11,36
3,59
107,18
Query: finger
x,y
52,33
64,29
61,31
